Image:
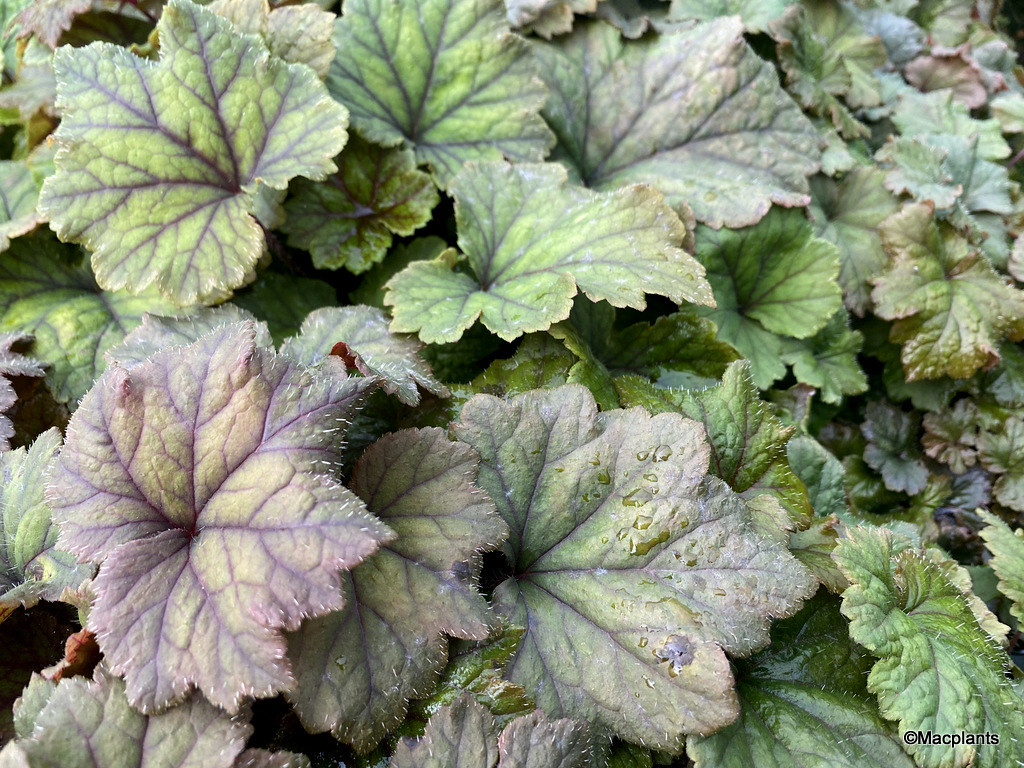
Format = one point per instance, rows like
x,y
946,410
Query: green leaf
x,y
43,292
893,448
531,241
31,569
90,724
650,588
465,735
371,348
1007,548
196,481
547,17
748,442
445,77
848,215
804,703
697,114
357,669
159,161
349,219
820,472
296,33
19,192
1002,453
937,670
951,435
828,360
756,14
949,70
951,309
770,279
826,53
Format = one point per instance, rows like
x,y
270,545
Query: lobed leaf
x,y
349,219
696,114
531,241
445,77
893,449
756,14
90,724
951,309
159,162
1007,548
358,668
623,553
1001,452
12,364
197,481
937,669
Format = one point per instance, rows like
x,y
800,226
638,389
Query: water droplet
x,y
340,662
642,456
559,469
643,642
604,539
603,478
651,477
648,682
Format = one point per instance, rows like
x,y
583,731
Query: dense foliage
x,y
537,384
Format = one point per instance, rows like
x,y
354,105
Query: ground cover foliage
x,y
537,384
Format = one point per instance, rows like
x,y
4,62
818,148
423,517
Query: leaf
x,y
828,360
937,670
804,702
445,77
261,758
155,333
49,19
465,735
756,14
298,33
951,70
893,449
827,53
697,114
770,279
12,364
531,241
937,113
951,436
18,195
357,669
90,724
748,442
284,301
159,161
950,308
1007,548
651,589
1000,452
820,472
195,480
848,215
30,568
393,358
45,293
349,219
547,17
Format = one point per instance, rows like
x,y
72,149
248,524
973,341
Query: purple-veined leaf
x,y
625,554
446,78
199,481
159,162
358,668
